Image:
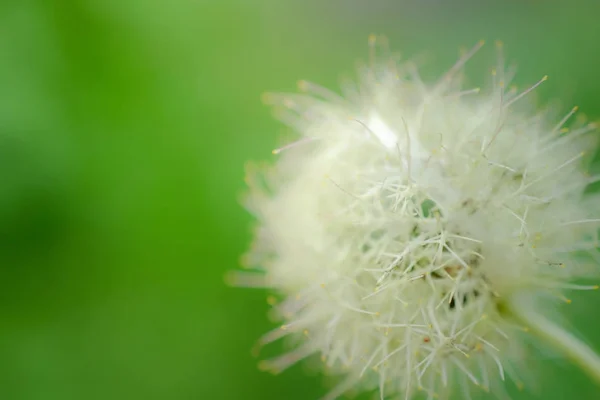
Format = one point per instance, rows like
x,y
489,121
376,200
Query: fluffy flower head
x,y
409,220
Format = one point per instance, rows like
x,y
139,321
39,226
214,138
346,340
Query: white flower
x,y
415,231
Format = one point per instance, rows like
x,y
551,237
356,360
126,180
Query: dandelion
x,y
416,235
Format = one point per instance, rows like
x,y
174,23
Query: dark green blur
x,y
124,129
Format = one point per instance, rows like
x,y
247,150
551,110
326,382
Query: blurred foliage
x,y
124,128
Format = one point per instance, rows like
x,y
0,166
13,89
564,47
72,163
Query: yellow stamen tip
x,y
263,366
271,300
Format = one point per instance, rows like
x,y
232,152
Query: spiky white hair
x,y
412,229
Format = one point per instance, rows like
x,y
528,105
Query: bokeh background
x,y
124,129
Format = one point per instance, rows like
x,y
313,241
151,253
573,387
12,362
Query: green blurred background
x,y
124,128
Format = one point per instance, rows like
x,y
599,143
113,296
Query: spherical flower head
x,y
414,231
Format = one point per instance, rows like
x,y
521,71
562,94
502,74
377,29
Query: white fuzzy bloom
x,y
399,229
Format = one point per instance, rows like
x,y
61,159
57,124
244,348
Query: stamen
x,y
559,126
566,163
459,64
320,91
387,357
464,93
293,144
582,221
371,359
520,96
281,363
465,370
